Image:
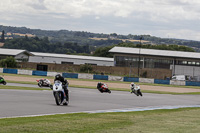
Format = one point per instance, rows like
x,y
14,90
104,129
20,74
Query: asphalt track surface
x,y
22,103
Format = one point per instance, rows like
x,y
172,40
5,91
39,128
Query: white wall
x,y
187,70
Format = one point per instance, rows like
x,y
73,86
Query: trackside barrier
x,y
115,78
25,72
100,77
161,81
39,73
131,79
52,74
85,76
146,80
1,70
174,82
191,83
12,71
70,75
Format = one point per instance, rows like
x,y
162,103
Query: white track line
x,y
114,110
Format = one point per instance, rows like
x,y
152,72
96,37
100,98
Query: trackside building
x,y
180,63
70,59
18,54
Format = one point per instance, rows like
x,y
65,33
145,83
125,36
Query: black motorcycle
x,y
44,83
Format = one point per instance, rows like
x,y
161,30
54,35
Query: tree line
x,y
36,44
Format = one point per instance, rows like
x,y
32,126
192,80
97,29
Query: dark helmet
x,y
58,76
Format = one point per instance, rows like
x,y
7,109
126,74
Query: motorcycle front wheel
x,y
57,98
39,84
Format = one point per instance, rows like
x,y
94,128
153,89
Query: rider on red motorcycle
x,y
99,84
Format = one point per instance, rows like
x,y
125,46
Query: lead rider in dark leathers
x,y
64,84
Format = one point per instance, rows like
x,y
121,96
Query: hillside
x,y
92,39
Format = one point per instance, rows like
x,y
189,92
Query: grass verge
x,y
185,120
20,88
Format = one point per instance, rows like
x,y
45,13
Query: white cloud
x,y
108,15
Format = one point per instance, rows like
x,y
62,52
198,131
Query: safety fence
x,y
99,77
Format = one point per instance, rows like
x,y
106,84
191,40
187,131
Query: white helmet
x,y
132,84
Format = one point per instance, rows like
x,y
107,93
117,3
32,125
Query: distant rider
x,y
132,87
64,83
99,84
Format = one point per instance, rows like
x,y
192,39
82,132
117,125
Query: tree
x,y
8,62
2,36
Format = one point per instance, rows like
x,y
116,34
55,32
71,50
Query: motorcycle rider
x,y
132,87
99,84
64,83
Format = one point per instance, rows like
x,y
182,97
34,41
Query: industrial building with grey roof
x,y
181,63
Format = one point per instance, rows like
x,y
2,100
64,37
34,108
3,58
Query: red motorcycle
x,y
103,87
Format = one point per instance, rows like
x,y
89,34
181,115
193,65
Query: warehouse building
x,y
180,63
70,59
19,55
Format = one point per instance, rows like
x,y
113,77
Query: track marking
x,y
114,110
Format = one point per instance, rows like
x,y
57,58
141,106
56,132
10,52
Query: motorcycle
x,y
59,93
2,81
103,88
44,83
136,90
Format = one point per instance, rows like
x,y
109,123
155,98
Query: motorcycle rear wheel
x,y
4,83
140,93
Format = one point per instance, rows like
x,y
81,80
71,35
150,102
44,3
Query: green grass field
x,y
185,120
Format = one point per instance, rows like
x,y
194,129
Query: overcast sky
x,y
161,18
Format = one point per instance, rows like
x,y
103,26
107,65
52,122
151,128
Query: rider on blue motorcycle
x,y
64,83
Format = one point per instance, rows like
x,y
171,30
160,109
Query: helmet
x,y
132,84
58,76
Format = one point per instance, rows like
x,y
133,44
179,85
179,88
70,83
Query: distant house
x,y
19,55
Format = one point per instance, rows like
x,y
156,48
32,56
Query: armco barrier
x,y
146,80
115,78
12,71
131,79
161,81
191,83
39,73
85,76
1,70
176,82
25,72
100,77
70,75
51,74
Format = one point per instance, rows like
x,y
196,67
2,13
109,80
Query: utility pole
x,y
139,57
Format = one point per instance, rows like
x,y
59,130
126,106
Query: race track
x,y
20,103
